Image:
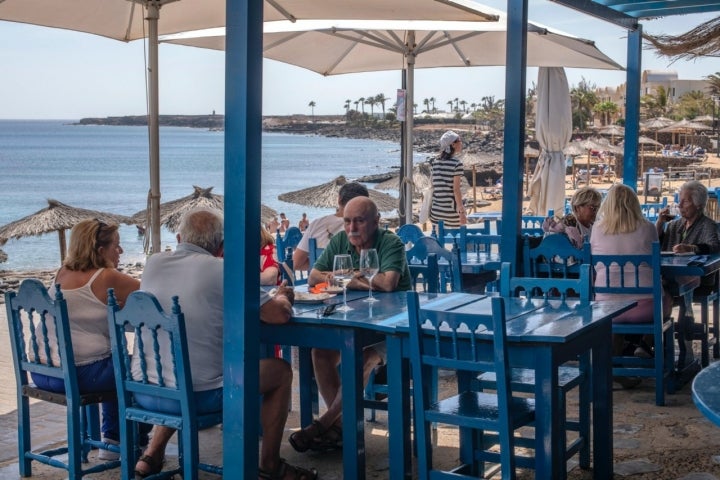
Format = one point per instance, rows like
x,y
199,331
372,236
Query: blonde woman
x,y
89,269
269,267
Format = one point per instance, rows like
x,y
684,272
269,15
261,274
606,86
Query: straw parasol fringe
x,y
701,41
56,217
326,196
171,212
3,256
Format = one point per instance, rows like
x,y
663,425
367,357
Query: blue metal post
x,y
516,62
243,128
632,107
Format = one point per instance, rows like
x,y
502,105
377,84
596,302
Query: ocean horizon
x,y
106,168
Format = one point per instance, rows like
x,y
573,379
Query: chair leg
x,y
24,436
716,325
74,439
585,397
704,333
190,454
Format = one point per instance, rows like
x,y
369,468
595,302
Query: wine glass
x,y
369,267
343,273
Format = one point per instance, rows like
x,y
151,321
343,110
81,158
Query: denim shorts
x,y
207,401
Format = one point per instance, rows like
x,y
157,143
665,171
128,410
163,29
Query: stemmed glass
x,y
343,273
369,267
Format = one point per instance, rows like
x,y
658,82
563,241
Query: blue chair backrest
x,y
450,269
40,336
314,252
158,335
427,273
482,242
409,233
554,256
289,240
451,236
548,288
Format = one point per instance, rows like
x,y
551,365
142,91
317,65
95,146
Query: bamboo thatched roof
x,y
701,41
326,196
171,212
55,217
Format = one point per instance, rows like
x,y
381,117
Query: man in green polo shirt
x,y
361,231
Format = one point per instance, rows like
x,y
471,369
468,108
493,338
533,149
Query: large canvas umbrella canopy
x,y
553,127
326,196
125,20
339,47
56,217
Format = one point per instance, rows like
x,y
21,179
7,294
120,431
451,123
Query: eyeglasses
x,y
100,225
594,208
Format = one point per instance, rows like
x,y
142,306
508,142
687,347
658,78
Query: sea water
x,y
106,168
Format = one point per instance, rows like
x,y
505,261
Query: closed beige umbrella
x,y
56,217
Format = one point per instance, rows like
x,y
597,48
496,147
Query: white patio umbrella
x,y
553,127
339,47
125,20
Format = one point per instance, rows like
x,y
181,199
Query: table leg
x,y
602,408
353,419
399,413
549,448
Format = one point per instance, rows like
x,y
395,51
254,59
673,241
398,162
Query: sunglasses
x,y
100,226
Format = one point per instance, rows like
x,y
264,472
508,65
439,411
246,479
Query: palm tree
x,y
606,110
463,103
583,100
426,102
450,102
714,81
312,109
362,104
432,100
457,107
356,104
380,99
473,106
371,101
347,106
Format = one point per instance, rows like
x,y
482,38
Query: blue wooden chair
x,y
451,342
660,328
569,377
426,275
289,240
409,233
314,252
157,335
32,318
450,269
555,256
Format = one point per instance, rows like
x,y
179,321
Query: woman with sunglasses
x,y
578,224
89,269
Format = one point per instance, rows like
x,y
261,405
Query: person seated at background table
x,y
692,231
361,231
269,266
194,272
577,225
622,229
284,223
323,228
89,269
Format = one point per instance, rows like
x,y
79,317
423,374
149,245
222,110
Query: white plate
x,y
304,297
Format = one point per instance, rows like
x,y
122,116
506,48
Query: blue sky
x,y
49,73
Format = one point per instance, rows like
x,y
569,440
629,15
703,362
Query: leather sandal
x,y
284,469
303,439
156,466
331,439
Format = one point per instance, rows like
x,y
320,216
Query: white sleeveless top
x,y
88,325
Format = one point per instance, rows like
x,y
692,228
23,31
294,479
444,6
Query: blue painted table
x,y
706,392
541,338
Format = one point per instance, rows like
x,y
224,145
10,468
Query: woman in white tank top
x,y
89,269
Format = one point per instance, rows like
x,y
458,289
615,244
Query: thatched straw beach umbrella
x,y
326,196
171,212
421,177
56,217
701,41
3,256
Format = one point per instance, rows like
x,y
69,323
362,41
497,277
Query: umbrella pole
x,y
410,72
153,13
63,245
474,186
